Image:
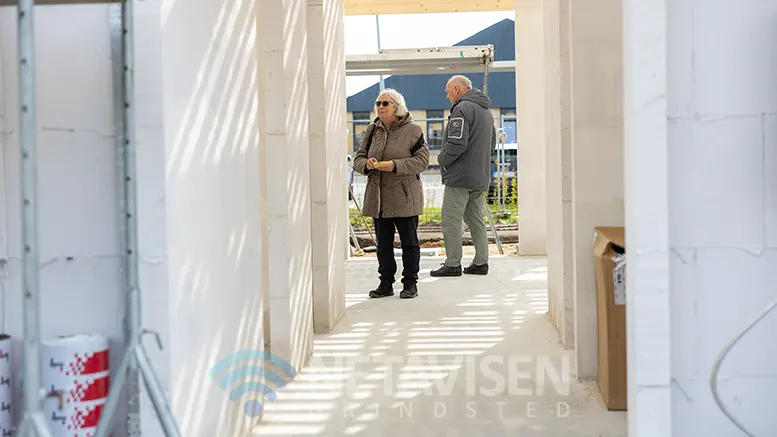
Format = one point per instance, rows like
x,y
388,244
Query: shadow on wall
x,y
215,210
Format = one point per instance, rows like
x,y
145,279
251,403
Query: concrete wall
x,y
283,93
226,190
597,153
215,221
530,102
155,265
701,126
328,152
80,284
722,174
647,230
558,168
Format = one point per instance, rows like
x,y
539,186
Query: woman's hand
x,y
371,163
389,167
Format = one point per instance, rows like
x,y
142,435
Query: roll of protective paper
x,y
74,420
78,355
6,391
77,367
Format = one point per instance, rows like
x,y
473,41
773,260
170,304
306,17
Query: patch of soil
x,y
509,249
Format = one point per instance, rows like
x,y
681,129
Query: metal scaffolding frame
x,y
135,363
435,60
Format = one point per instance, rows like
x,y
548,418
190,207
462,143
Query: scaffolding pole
x,y
486,62
135,363
33,422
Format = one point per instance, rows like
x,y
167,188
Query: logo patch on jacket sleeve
x,y
456,128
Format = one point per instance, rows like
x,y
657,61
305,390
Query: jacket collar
x,y
401,121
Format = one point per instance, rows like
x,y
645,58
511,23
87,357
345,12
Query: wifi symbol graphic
x,y
252,407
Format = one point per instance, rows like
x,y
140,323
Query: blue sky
x,y
411,31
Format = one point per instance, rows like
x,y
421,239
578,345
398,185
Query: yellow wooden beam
x,y
362,7
58,2
385,7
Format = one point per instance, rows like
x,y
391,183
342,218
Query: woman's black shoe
x,y
409,291
385,289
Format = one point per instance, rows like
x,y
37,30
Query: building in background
x,y
425,94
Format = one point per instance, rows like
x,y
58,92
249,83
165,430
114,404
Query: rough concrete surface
x,y
470,356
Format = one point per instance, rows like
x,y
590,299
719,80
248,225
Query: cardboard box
x,y
610,268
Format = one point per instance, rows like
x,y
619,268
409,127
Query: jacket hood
x,y
476,96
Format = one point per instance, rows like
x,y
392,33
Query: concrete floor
x,y
470,356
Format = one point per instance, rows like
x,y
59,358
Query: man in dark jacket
x,y
468,142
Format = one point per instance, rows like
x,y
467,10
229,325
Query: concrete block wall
x,y
567,226
153,253
284,96
558,168
596,58
80,282
552,71
701,127
214,215
224,188
722,210
647,188
328,164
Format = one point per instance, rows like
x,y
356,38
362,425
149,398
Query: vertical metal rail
x,y
485,200
119,99
377,30
33,422
135,357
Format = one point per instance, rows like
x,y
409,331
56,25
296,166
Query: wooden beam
x,y
359,7
58,2
385,7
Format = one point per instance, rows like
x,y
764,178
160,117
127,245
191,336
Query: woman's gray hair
x,y
399,101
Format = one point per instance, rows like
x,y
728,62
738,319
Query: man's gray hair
x,y
399,101
461,80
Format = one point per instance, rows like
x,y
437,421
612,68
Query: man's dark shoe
x,y
409,291
473,269
385,289
446,271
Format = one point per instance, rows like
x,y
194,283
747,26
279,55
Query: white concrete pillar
x,y
328,151
647,232
285,142
558,156
215,220
597,153
530,103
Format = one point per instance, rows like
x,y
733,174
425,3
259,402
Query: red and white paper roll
x,y
78,368
6,391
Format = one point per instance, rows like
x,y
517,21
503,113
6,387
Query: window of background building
x,y
435,122
510,125
360,122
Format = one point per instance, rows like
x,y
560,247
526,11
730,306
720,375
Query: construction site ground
x,y
431,236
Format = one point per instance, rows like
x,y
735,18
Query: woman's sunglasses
x,y
383,103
